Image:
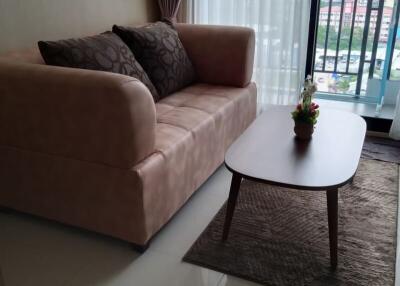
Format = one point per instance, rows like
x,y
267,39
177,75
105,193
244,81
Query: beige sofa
x,y
91,149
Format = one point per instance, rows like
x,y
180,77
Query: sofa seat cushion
x,y
194,128
203,104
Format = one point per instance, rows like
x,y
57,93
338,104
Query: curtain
x,y
185,12
281,28
169,9
395,128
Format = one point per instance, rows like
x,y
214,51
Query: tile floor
x,y
38,252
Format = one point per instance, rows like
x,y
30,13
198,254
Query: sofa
x,y
91,149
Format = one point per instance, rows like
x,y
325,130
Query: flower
x,y
307,111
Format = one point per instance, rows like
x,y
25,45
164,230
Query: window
x,y
350,47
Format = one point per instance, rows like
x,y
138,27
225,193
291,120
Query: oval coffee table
x,y
268,152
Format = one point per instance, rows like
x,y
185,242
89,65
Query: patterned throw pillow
x,y
161,54
104,52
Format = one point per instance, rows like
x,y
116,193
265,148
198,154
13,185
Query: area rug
x,y
280,236
383,149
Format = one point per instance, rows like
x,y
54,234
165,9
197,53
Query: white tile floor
x,y
38,252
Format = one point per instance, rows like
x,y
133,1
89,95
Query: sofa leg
x,y
140,248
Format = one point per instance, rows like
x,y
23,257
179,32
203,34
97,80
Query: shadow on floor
x,y
35,251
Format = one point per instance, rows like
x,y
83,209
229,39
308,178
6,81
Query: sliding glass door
x,y
356,46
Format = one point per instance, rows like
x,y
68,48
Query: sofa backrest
x,y
221,55
31,56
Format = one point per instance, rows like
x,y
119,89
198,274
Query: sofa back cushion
x,y
158,49
104,52
28,56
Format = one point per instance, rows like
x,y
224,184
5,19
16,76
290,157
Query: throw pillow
x,y
104,52
158,49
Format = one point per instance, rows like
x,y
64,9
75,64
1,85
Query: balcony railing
x,y
350,45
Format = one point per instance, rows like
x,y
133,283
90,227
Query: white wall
x,y
24,22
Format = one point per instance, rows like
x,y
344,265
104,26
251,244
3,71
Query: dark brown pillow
x,y
104,52
161,54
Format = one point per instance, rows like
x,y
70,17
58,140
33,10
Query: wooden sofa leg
x,y
140,248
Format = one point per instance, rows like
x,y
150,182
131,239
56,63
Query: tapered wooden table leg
x,y
233,194
332,201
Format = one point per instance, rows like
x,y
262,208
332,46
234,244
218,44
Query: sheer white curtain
x,y
395,129
281,28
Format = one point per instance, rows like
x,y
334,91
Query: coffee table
x,y
268,152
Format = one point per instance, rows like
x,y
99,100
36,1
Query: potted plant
x,y
306,113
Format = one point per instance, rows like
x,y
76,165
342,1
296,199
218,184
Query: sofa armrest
x,y
220,54
81,114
